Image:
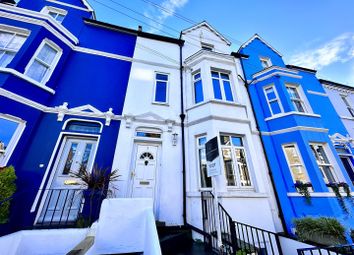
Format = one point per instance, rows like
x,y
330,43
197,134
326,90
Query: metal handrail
x,y
347,249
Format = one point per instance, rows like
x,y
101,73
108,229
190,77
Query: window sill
x,y
160,104
347,117
280,115
26,78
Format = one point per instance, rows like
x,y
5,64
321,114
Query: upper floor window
x,y
235,161
295,163
272,100
295,98
10,131
265,62
323,163
161,88
222,86
198,88
347,104
206,46
11,41
83,126
43,62
204,179
55,13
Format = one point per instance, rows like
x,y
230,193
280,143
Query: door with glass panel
x,y
63,199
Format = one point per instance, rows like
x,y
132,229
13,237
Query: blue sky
x,y
311,33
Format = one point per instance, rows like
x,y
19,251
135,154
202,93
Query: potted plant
x,y
96,184
7,189
323,230
303,189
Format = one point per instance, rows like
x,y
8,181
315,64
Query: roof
x,y
89,7
134,32
257,36
301,68
206,24
336,84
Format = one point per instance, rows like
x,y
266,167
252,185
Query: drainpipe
x,y
183,116
281,214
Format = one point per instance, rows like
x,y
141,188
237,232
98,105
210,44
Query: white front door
x,y
63,198
144,174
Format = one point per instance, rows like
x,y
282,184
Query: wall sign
x,y
212,156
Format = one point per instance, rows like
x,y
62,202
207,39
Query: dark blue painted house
x,y
297,121
63,79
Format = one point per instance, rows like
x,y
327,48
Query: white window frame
x,y
222,88
199,147
5,155
273,100
265,60
58,11
50,68
303,100
294,165
234,162
330,164
167,88
194,81
348,105
15,31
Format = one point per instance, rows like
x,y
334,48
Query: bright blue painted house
x,y
298,126
62,90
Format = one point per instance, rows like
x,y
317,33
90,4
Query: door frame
x,y
350,158
156,198
53,164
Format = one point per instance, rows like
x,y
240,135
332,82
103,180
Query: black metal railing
x,y
64,207
331,250
235,236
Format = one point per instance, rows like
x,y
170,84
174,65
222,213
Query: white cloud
x,y
160,16
339,49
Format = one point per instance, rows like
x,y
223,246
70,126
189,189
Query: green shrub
x,y
7,189
324,230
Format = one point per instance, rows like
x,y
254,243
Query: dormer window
x,y
265,62
206,46
55,13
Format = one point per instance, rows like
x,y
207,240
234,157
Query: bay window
x,y
272,100
42,64
235,161
198,88
205,181
296,99
11,40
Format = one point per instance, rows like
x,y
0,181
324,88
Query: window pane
x,y
229,171
298,106
202,141
7,130
225,140
5,58
224,76
163,77
37,71
228,91
217,89
270,93
16,43
328,173
295,164
146,134
5,39
86,156
198,91
215,74
53,14
320,154
47,54
161,89
242,167
236,141
60,18
86,127
70,159
293,92
205,180
275,107
298,173
197,76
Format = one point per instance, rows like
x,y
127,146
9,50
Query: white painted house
x,y
342,98
217,105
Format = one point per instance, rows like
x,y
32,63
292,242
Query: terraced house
x,y
303,134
